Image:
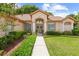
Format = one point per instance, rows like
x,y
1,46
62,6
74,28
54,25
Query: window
x,y
67,26
51,26
27,27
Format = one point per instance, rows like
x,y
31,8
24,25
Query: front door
x,y
39,28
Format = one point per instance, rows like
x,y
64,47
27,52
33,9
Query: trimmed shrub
x,y
4,41
53,33
75,31
25,49
67,33
28,32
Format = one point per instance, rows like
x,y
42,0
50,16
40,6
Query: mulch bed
x,y
12,45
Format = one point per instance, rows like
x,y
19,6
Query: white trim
x,y
72,25
63,27
45,27
33,29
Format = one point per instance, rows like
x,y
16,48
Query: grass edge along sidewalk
x,y
25,49
62,45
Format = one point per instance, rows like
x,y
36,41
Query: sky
x,y
57,9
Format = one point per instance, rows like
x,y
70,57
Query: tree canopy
x,y
76,17
7,8
26,9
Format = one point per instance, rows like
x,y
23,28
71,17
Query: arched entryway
x,y
39,25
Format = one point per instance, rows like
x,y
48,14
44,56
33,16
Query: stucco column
x,y
63,27
56,26
33,27
45,27
72,26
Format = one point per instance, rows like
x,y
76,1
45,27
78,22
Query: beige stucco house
x,y
40,21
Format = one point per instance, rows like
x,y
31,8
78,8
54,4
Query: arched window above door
x,y
39,21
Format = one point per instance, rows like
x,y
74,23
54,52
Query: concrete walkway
x,y
40,48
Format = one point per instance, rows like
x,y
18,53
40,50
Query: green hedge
x,y
67,33
59,33
53,33
75,31
25,49
4,41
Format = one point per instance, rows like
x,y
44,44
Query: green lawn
x,y
62,45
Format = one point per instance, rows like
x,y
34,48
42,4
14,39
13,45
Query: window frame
x,y
52,26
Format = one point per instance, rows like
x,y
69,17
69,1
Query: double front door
x,y
39,28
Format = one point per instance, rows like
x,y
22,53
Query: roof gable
x,y
69,17
39,11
